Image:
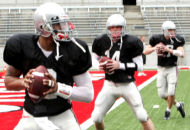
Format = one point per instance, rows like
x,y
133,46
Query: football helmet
x,y
169,25
51,19
116,20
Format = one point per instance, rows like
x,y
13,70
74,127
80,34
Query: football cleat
x,y
181,109
167,115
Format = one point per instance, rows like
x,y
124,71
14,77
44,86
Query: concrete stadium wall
x,y
151,61
62,2
163,2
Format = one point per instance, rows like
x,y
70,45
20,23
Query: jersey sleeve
x,y
152,41
96,48
138,48
182,41
12,54
84,61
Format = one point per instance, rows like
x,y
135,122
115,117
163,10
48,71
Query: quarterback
x,y
169,46
52,47
125,54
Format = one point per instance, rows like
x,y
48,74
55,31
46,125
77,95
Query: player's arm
x,y
177,52
95,60
83,91
135,65
149,49
13,80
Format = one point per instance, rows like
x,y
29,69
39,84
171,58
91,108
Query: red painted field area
x,y
11,102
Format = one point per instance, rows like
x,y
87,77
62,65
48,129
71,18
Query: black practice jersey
x,y
23,52
167,59
131,47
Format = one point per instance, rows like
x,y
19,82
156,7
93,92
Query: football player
x,y
125,52
169,47
67,59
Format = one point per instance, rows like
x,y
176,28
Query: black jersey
x,y
131,47
167,59
22,52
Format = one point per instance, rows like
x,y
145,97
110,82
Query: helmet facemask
x,y
115,34
113,24
62,29
171,33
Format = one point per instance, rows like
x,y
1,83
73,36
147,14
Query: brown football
x,y
159,50
36,88
103,61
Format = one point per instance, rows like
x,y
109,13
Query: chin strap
x,y
57,47
81,47
107,52
57,50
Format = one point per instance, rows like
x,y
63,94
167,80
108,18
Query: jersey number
x,y
116,55
171,47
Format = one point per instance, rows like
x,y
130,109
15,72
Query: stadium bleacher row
x,y
154,16
90,21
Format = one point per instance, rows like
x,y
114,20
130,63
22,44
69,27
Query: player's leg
x,y
27,122
103,103
163,88
172,84
65,121
162,83
134,99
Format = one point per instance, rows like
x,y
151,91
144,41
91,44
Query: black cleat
x,y
167,115
181,109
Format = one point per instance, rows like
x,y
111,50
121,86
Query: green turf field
x,y
122,117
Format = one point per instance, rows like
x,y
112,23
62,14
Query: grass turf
x,y
122,117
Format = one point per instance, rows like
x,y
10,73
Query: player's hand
x,y
28,78
101,67
112,65
160,47
166,49
51,82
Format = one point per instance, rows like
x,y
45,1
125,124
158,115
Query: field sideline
x,y
122,117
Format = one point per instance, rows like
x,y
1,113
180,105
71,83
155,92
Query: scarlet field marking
x,y
16,98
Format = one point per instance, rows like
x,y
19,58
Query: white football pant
x,y
63,121
109,94
167,81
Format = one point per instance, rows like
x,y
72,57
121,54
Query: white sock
x,y
168,109
177,104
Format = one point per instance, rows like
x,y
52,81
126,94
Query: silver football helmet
x,y
116,20
50,18
167,25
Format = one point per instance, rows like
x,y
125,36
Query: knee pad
x,y
171,89
97,116
162,93
141,114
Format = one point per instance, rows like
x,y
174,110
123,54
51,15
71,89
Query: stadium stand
x,y
89,21
155,15
144,19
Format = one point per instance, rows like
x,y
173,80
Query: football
x,y
36,88
103,61
160,49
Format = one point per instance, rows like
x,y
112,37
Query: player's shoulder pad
x,y
21,38
157,36
181,38
132,39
